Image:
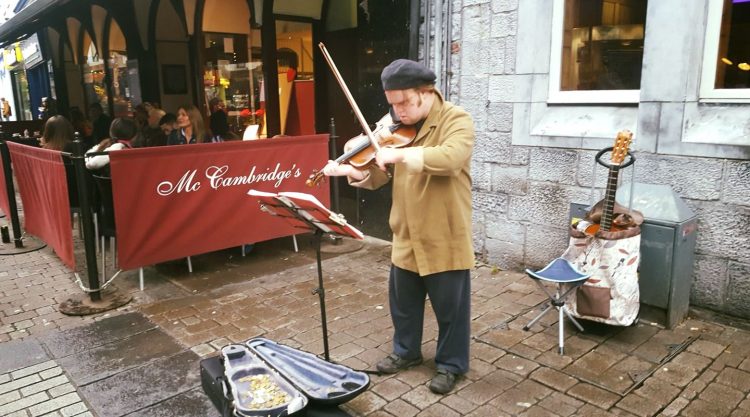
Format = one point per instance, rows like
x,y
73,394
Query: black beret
x,y
402,74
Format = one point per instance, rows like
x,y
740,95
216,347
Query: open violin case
x,y
264,378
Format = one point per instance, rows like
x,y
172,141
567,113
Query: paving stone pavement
x,y
58,365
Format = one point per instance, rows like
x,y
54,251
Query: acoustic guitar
x,y
607,215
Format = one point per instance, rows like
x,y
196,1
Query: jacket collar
x,y
433,117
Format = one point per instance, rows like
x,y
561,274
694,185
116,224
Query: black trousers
x,y
450,296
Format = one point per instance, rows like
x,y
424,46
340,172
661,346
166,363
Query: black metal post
x,y
87,220
321,293
332,156
335,181
11,191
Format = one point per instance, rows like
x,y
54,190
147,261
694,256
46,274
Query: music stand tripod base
x,y
339,245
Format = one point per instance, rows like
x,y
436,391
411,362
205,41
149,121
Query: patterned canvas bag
x,y
611,295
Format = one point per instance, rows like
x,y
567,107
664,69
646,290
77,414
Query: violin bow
x,y
349,97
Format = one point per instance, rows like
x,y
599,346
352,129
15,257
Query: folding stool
x,y
562,273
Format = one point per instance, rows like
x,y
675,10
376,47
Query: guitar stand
x,y
614,168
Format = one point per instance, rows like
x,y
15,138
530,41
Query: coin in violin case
x,y
264,378
257,389
322,382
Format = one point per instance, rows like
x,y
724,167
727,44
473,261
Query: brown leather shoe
x,y
443,382
394,363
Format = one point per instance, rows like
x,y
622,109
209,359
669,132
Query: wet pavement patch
x,y
99,333
126,364
144,386
190,403
21,354
112,358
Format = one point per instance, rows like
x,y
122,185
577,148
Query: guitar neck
x,y
609,199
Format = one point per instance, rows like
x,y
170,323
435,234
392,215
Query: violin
x,y
360,151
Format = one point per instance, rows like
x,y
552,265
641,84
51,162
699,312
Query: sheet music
x,y
302,210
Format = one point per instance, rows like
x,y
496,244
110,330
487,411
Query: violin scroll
x,y
315,178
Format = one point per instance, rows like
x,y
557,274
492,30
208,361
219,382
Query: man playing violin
x,y
430,219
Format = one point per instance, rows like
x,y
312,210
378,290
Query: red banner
x,y
177,201
4,202
43,187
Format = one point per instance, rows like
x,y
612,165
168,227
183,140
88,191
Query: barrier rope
x,y
89,290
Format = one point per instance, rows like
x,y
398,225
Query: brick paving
x,y
701,368
40,390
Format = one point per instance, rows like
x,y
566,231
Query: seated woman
x,y
190,127
58,135
121,132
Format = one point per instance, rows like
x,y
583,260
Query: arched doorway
x,y
172,53
71,65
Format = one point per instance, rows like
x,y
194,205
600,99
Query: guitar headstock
x,y
620,148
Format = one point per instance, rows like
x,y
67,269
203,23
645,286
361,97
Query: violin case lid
x,y
321,381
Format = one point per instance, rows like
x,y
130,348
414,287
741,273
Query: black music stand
x,y
304,211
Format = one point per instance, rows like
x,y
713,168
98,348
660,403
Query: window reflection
x,y
118,65
733,66
93,75
294,57
233,75
232,67
603,44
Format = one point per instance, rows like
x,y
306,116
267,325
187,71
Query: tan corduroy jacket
x,y
431,211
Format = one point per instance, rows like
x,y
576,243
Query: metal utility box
x,y
668,236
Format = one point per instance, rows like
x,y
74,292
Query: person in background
x,y
140,114
151,135
82,126
7,112
154,116
190,127
58,135
100,121
121,133
168,123
432,251
47,109
218,120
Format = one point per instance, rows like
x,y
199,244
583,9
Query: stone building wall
x,y
533,159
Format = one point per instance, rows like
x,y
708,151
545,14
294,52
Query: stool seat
x,y
562,273
559,270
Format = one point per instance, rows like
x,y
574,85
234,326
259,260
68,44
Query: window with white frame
x,y
597,51
726,62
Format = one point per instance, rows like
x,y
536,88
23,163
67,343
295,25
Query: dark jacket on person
x,y
151,136
218,123
177,137
101,128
